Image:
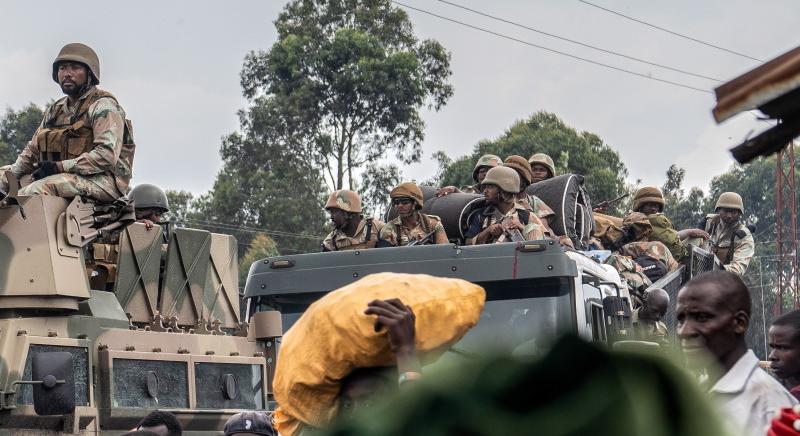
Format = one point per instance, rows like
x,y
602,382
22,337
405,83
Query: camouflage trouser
x,y
67,185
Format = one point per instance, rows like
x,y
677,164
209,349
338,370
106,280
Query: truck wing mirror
x,y
53,383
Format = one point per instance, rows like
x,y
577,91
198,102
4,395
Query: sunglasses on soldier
x,y
401,201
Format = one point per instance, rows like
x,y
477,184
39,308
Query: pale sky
x,y
174,67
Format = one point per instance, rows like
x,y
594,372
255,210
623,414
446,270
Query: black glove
x,y
46,168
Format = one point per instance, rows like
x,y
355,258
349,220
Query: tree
x,y
261,246
578,152
180,205
376,183
346,80
16,129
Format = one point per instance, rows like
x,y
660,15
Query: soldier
x,y
150,203
411,226
486,162
542,167
351,231
646,320
503,219
728,238
531,202
84,145
648,223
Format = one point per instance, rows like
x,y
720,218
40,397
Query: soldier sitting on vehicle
x,y
351,231
542,167
485,163
411,227
84,145
648,223
503,219
646,320
726,236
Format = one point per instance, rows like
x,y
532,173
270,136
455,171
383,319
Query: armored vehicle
x,y
158,328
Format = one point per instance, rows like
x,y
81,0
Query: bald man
x,y
713,316
646,320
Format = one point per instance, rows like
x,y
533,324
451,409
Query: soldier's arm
x,y
743,251
440,237
108,124
25,163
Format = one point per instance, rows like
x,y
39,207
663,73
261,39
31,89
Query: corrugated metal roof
x,y
759,86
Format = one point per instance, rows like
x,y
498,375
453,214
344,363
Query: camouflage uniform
x,y
654,249
534,229
720,243
398,235
651,331
103,172
631,273
338,240
656,227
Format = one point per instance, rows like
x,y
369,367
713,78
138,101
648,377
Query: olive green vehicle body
x,y
170,339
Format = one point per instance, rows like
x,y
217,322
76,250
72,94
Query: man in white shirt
x,y
713,315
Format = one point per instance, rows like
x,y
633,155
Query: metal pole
x,y
763,309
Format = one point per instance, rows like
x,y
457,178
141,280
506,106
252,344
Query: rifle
x,y
604,204
513,234
422,240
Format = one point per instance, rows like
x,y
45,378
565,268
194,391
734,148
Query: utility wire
x,y
511,38
670,31
666,67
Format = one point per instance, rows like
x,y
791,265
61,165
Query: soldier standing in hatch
x,y
729,239
351,231
84,145
150,203
411,225
485,163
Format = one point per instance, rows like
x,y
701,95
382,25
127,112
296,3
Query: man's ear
x,y
741,320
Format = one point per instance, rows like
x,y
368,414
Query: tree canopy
x,y
16,129
543,132
345,83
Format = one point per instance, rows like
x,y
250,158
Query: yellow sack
x,y
334,336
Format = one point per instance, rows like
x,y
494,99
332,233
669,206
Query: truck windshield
x,y
521,317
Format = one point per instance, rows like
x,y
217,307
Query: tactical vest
x,y
369,242
57,142
724,254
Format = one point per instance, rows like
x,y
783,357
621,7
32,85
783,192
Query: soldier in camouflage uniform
x,y
503,216
84,145
485,163
542,167
411,226
646,320
351,231
150,204
728,238
647,222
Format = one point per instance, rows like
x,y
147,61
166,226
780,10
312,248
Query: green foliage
x,y
578,152
346,80
16,129
260,247
376,183
180,204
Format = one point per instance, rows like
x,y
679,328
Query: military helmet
x,y
408,190
147,196
648,194
522,166
504,178
487,160
543,159
730,200
77,52
345,200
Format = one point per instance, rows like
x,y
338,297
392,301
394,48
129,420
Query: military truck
x,y
535,290
162,332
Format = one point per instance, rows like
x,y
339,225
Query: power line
x,y
666,67
627,17
511,38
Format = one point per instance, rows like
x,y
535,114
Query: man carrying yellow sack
x,y
365,339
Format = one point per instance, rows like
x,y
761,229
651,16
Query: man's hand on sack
x,y
399,321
